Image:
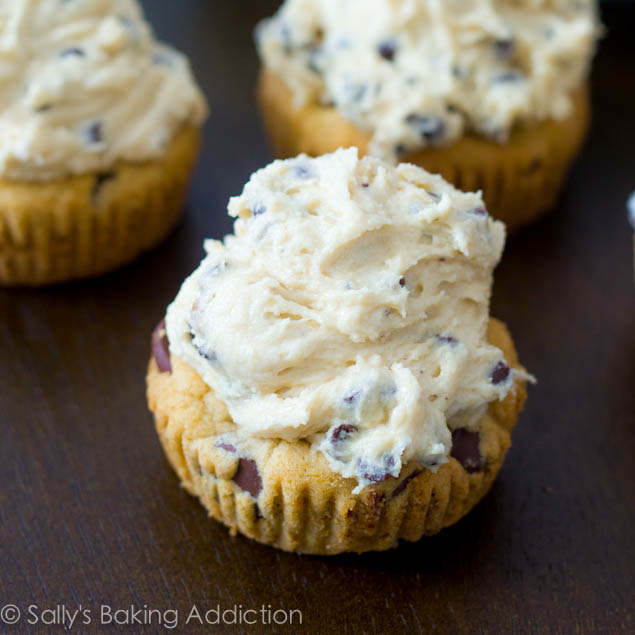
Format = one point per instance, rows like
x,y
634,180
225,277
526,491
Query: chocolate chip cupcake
x,y
491,95
329,379
99,130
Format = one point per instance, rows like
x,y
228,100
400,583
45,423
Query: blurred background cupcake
x,y
99,130
491,95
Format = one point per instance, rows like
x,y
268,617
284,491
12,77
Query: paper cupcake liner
x,y
283,494
520,178
86,225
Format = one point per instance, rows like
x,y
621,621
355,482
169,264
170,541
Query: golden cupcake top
x,y
422,73
84,84
348,308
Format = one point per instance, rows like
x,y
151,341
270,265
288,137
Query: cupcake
x,y
491,95
329,379
99,131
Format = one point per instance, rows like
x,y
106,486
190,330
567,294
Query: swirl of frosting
x,y
349,308
420,73
84,85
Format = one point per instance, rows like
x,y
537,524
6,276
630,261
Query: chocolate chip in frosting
x,y
387,50
247,477
479,211
465,449
430,127
258,210
447,339
342,433
499,373
228,447
302,171
508,77
160,349
377,472
94,133
73,51
210,356
351,397
503,47
162,59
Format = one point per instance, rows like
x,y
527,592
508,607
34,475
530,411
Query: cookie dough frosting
x,y
84,84
419,73
349,309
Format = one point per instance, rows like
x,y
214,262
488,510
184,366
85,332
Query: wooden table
x,y
91,514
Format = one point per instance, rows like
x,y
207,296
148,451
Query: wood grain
x,y
91,514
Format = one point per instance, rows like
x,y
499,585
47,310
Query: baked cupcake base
x,y
283,494
520,179
85,225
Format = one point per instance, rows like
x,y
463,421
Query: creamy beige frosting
x,y
349,308
84,84
419,73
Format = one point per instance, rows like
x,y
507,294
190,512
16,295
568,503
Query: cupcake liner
x,y
283,494
83,226
520,178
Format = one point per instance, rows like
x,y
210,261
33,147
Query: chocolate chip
x,y
162,59
376,473
465,449
342,433
44,108
510,76
402,486
228,447
387,50
431,128
258,210
349,399
210,356
302,171
94,133
100,179
479,211
247,477
160,349
535,165
365,184
447,339
402,282
72,51
503,47
499,373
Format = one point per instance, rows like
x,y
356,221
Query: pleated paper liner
x,y
83,226
285,495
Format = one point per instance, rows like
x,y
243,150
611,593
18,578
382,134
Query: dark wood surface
x,y
91,514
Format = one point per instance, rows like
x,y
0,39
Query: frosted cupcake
x,y
99,130
490,94
329,378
